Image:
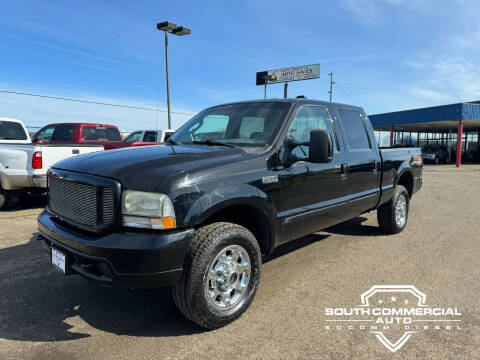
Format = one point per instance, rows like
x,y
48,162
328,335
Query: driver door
x,y
313,194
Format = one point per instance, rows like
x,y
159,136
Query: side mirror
x,y
321,147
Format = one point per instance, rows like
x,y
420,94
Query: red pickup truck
x,y
82,133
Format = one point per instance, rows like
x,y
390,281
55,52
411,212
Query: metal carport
x,y
440,121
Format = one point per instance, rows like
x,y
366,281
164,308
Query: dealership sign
x,y
304,72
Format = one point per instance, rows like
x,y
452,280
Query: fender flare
x,y
210,203
405,167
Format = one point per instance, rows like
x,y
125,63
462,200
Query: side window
x,y
62,133
134,137
150,136
113,135
44,134
307,119
355,130
167,135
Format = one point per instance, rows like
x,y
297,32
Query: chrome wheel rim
x,y
401,211
227,277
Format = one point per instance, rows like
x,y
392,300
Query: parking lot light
x,y
169,27
181,30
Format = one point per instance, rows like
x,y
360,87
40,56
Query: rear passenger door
x,y
363,161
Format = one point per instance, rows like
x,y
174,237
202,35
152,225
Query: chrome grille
x,y
108,205
85,204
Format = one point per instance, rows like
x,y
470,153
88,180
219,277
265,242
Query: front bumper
x,y
429,157
125,259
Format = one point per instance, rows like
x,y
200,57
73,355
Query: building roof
x,y
436,117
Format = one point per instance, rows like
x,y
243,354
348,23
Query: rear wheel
x,y
3,199
221,275
8,199
392,216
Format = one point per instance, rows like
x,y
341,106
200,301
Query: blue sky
x,y
386,55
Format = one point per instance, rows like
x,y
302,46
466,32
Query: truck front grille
x,y
88,205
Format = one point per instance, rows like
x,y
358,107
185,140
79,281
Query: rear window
x,y
12,131
100,133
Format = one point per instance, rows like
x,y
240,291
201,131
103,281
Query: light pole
x,y
169,27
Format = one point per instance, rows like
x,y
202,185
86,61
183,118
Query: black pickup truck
x,y
232,184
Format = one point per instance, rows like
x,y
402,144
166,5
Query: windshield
x,y
10,130
247,124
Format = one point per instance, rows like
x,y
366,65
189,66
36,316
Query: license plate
x,y
59,259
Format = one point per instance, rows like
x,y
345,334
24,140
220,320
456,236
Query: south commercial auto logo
x,y
393,313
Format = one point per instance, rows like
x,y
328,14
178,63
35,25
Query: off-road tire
x,y
189,295
386,212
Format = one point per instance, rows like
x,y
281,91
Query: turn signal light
x,y
37,162
168,223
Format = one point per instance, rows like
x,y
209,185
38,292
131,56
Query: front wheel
x,y
220,276
393,215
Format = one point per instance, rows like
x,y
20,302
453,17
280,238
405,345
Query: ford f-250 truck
x,y
230,185
23,165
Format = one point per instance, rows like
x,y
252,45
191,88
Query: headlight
x,y
147,210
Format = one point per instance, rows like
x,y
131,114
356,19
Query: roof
x,y
11,119
294,101
78,124
444,116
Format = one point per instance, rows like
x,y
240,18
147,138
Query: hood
x,y
146,168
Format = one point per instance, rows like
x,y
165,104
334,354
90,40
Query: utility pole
x,y
331,85
285,90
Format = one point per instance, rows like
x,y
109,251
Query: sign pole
x,y
285,90
265,91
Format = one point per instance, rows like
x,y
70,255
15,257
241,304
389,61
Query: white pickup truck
x,y
147,137
24,165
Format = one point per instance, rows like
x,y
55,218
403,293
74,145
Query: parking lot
x,y
44,315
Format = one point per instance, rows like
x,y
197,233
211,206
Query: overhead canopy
x,y
431,118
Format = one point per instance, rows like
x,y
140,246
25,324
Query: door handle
x,y
375,170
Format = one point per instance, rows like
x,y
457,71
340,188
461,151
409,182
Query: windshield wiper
x,y
213,143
